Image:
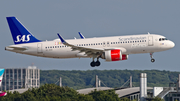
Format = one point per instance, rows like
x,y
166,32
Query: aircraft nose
x,y
171,44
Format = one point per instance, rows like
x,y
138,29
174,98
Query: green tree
x,y
124,99
112,78
108,95
82,97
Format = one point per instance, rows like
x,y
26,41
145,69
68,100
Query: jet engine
x,y
114,55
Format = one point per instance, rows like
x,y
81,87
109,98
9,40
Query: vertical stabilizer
x,y
1,75
19,33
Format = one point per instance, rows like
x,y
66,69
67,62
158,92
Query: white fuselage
x,y
131,44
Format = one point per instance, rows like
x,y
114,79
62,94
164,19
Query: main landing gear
x,y
152,59
97,63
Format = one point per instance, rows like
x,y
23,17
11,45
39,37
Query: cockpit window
x,y
162,39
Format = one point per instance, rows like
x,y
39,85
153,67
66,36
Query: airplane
x,y
1,77
115,48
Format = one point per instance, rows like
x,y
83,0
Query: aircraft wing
x,y
88,50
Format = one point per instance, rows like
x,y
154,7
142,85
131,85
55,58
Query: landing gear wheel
x,y
93,64
98,63
152,60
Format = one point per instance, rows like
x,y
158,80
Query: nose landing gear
x,y
152,59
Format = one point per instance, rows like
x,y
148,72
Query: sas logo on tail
x,y
23,38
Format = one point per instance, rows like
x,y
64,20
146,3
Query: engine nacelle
x,y
114,55
124,57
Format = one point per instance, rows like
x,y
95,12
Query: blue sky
x,y
94,18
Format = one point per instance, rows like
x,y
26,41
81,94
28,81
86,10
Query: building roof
x,y
128,91
88,90
166,91
121,92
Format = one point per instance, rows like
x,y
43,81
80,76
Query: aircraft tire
x,y
152,60
98,63
93,64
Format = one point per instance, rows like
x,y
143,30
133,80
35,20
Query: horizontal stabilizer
x,y
16,48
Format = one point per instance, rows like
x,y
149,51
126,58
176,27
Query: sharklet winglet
x,y
61,38
80,34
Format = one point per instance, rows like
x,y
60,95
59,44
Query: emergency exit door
x,y
150,41
39,48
